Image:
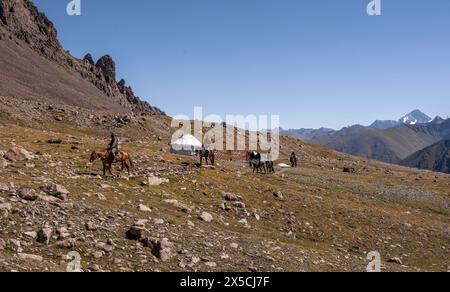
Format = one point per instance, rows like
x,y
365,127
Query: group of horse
x,y
254,159
259,165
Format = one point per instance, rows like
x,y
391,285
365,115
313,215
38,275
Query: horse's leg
x,y
104,169
128,168
123,166
110,168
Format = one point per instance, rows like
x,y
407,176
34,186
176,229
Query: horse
x,y
293,159
208,155
254,159
270,167
122,157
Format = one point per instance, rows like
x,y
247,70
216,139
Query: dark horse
x,y
208,155
122,157
254,159
293,159
270,167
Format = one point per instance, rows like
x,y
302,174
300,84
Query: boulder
x,y
55,190
144,208
30,234
279,195
4,187
162,249
28,194
44,235
3,163
349,170
231,197
154,181
136,231
205,216
90,226
29,257
18,154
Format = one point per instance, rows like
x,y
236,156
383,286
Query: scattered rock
x,y
162,249
3,163
239,205
98,254
17,154
279,195
231,197
144,208
30,257
90,226
4,187
44,235
31,235
395,261
28,194
205,216
349,170
67,244
55,141
62,233
211,265
55,190
136,231
154,181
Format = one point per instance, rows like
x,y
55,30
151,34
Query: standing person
x,y
294,159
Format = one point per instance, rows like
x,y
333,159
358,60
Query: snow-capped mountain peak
x,y
415,117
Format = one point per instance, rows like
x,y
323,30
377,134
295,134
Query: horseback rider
x,y
113,146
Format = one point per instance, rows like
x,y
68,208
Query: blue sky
x,y
313,62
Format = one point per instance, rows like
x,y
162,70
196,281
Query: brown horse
x,y
122,157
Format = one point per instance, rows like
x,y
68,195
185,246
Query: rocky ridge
x,y
21,20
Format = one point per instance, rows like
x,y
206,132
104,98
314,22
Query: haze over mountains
x,y
390,141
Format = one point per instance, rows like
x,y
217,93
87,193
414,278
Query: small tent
x,y
186,145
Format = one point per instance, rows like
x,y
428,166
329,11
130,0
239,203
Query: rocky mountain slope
x,y
30,52
435,158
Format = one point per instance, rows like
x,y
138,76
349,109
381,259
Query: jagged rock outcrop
x,y
88,58
108,67
21,20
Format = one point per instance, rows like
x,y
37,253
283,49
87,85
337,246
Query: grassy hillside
x,y
324,219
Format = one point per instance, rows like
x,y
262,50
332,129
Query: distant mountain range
x,y
413,118
435,157
394,141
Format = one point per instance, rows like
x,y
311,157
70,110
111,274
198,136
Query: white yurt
x,y
186,145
